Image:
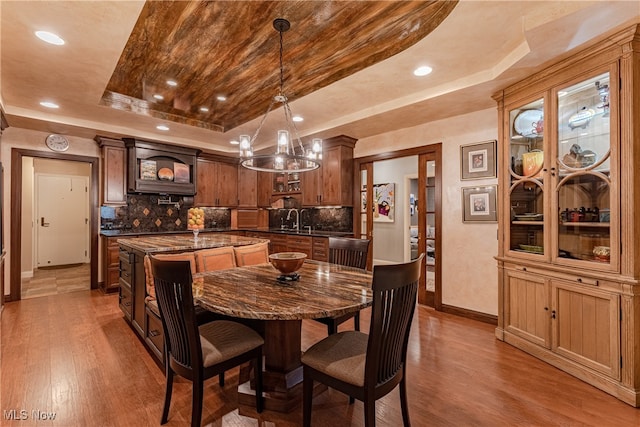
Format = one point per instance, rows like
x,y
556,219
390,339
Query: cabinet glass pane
x,y
584,195
527,218
526,140
583,126
526,197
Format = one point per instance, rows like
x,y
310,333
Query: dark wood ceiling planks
x,y
230,48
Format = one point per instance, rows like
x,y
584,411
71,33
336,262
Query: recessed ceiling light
x,y
297,118
158,97
204,109
221,98
49,104
50,38
422,71
162,127
234,142
172,83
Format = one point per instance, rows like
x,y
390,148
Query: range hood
x,y
155,168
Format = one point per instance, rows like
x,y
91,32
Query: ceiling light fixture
x,y
422,71
158,97
49,104
287,157
221,98
172,83
162,127
204,110
50,38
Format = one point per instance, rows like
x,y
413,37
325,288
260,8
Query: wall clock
x,y
57,142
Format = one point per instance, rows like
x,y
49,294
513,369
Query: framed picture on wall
x,y
479,204
478,160
383,202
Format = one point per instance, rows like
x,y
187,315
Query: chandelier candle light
x,y
287,157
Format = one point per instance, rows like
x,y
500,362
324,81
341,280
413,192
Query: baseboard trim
x,y
470,314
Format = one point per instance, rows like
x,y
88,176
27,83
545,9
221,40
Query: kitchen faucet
x,y
296,224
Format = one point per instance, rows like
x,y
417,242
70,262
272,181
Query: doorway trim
x,y
15,245
434,150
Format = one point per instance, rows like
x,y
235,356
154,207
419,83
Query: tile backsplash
x,y
326,219
144,213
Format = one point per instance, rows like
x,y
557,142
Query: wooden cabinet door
x,y
114,172
264,189
226,186
337,176
311,187
205,183
216,184
111,265
277,243
586,326
320,249
528,307
300,244
247,188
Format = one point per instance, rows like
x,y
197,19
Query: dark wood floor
x,y
74,355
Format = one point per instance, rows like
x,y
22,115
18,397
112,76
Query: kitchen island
x,y
132,277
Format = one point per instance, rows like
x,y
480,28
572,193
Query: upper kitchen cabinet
x,y
160,169
217,182
332,183
254,188
114,171
568,258
247,188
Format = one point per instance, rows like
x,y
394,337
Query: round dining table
x,y
253,292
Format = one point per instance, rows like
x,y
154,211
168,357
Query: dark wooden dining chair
x,y
367,367
198,352
352,253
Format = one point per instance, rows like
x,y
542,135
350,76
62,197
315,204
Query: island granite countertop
x,y
185,242
212,231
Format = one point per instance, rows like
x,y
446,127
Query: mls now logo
x,y
23,414
15,414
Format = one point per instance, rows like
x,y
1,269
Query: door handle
x,y
42,223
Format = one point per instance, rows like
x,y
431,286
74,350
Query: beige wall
x,y
13,137
469,272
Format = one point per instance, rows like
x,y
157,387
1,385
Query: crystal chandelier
x,y
287,157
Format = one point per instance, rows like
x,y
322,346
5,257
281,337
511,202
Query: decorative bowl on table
x,y
287,263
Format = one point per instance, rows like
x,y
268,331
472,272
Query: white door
x,y
62,220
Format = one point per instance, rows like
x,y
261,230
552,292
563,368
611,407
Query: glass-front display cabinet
x,y
568,219
560,200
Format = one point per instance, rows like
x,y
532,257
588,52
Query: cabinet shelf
x,y
585,224
541,223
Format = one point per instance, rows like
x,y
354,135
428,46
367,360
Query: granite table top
x,y
186,242
253,292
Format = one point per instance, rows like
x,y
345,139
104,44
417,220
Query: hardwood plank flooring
x,y
74,355
57,280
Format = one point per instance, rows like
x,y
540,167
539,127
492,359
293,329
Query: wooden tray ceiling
x,y
230,48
